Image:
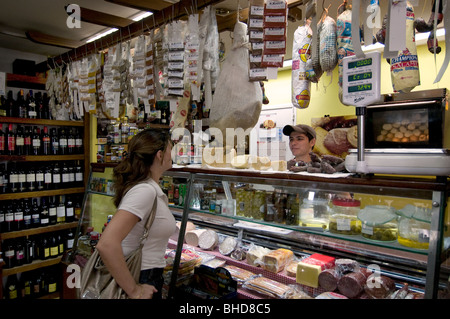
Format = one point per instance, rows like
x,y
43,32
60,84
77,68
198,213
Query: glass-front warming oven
x,y
414,120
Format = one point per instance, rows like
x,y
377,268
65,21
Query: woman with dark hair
x,y
136,188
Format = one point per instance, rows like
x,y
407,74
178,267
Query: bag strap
x,y
150,218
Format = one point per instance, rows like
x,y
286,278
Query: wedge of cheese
x,y
308,269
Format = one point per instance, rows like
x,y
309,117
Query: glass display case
x,y
301,213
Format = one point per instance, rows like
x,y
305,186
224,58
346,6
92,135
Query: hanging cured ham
x,y
237,101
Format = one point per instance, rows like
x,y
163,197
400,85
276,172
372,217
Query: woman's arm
x,y
110,249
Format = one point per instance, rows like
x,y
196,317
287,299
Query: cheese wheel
x,y
227,246
192,237
208,240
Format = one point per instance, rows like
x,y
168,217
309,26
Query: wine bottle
x,y
44,249
78,142
30,250
62,142
13,177
45,107
18,216
40,179
31,105
78,174
35,214
20,141
27,215
3,109
44,213
39,105
61,211
11,105
22,179
3,141
31,179
21,104
12,287
54,248
64,175
28,145
61,245
9,254
54,142
52,283
70,239
20,253
70,142
46,143
10,140
9,218
70,213
52,212
2,217
56,176
36,141
48,177
26,285
3,179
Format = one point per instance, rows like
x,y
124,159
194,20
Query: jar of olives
x,y
344,216
379,222
414,227
314,213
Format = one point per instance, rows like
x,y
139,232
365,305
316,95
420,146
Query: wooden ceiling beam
x,y
104,19
43,38
145,5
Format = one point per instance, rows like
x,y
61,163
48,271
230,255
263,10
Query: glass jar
x,y
314,213
258,204
344,216
280,200
414,227
244,200
379,222
292,209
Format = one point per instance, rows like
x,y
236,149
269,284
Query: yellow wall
x,y
324,95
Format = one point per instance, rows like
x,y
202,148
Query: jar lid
x,y
418,213
347,202
373,215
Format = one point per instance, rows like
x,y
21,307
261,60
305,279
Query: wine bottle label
x,y
60,212
36,142
14,178
40,177
18,216
79,177
54,251
20,141
65,178
31,178
22,178
52,211
44,221
52,287
69,211
48,178
56,178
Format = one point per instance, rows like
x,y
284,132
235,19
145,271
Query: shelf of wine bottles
x,y
24,140
20,177
41,283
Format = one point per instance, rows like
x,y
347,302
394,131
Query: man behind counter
x,y
302,139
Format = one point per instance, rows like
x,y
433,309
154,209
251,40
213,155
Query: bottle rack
x,y
84,156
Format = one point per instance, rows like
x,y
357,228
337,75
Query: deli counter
x,y
394,225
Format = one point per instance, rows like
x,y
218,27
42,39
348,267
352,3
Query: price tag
x,y
361,79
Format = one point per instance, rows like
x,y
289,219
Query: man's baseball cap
x,y
301,128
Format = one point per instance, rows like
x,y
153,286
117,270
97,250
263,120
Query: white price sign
x,y
361,79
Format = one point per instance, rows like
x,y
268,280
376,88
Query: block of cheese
x,y
208,240
291,269
255,254
308,269
192,236
279,165
276,260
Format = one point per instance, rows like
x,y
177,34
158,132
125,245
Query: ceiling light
x,y
141,16
101,35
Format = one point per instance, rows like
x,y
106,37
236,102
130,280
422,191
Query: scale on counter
x,y
361,87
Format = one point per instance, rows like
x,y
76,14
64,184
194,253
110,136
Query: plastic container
x,y
414,227
344,216
379,222
314,213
